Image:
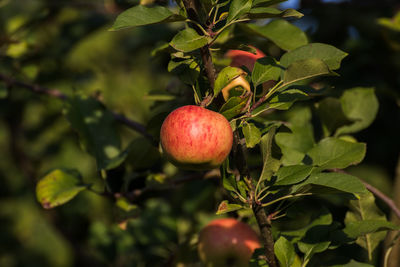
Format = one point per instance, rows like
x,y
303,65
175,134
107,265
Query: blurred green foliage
x,y
67,45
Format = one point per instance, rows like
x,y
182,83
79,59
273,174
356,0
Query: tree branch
x,y
265,228
11,82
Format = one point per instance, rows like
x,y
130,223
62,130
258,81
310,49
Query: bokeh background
x,y
67,45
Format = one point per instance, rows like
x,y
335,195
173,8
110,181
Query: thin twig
x,y
265,97
136,126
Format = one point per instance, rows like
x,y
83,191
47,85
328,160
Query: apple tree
x,y
292,131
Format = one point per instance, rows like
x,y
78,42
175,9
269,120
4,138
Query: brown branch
x,y
258,103
265,227
11,82
391,204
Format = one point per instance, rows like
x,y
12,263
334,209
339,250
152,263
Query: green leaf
x,y
310,249
58,187
332,153
282,33
187,70
363,222
331,115
356,229
292,174
284,100
3,90
265,69
270,12
270,164
233,107
238,8
337,181
97,130
296,144
225,207
353,263
330,55
252,134
266,3
225,76
125,205
188,40
391,23
359,105
319,216
284,252
142,15
304,69
228,179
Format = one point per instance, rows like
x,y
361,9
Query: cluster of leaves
x,y
296,138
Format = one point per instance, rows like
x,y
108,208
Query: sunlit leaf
x,y
225,207
270,12
225,76
142,15
58,187
305,69
332,153
238,8
282,33
292,174
252,134
336,181
330,55
188,40
265,69
284,252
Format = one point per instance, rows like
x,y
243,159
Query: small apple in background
x,y
196,138
243,58
227,242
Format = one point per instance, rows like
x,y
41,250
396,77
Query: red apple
x,y
227,242
196,138
244,58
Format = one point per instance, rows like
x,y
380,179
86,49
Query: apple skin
x,y
196,138
227,242
243,58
